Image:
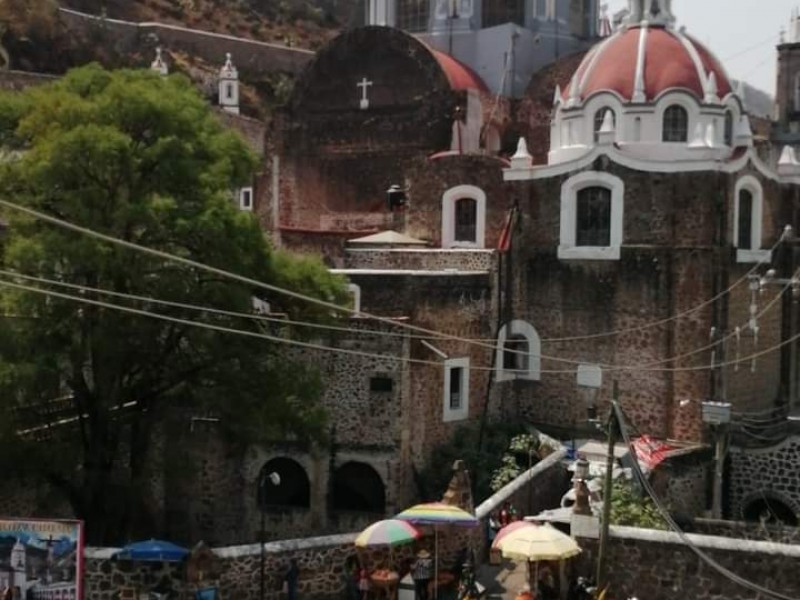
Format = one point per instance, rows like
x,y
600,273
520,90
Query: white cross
x,y
364,85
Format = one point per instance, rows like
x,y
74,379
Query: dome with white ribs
x,y
652,90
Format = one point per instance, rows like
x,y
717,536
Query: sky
x,y
741,33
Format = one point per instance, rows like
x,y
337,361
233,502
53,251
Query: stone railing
x,y
250,56
323,561
432,259
658,565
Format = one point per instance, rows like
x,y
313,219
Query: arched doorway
x,y
358,487
770,511
293,491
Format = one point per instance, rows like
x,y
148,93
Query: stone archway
x,y
294,490
358,487
771,508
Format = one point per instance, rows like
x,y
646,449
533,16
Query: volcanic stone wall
x,y
676,255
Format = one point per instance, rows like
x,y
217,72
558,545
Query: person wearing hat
x,y
421,573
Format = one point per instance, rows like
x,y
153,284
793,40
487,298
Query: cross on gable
x,y
364,84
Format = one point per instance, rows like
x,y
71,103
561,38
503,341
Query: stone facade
x,y
765,479
659,566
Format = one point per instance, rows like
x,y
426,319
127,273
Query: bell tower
x,y
787,91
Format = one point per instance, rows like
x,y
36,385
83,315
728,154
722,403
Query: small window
x,y
729,128
745,223
466,220
456,393
229,91
593,222
381,385
599,117
676,124
456,389
246,198
515,354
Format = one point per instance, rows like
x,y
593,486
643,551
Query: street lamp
x,y
264,478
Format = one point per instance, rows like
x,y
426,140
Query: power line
x,y
209,310
665,514
276,289
308,345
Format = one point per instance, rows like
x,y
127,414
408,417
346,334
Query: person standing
x,y
291,578
421,573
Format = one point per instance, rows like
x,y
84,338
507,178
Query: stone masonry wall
x,y
323,561
765,474
656,565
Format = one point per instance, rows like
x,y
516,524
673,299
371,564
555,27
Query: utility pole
x,y
612,432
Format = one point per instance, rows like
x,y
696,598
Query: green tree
x,y
142,158
631,509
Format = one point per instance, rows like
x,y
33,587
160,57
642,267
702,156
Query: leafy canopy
x,y
142,158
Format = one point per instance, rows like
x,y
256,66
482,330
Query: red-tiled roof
x,y
668,64
460,76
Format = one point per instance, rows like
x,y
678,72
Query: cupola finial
x,y
655,12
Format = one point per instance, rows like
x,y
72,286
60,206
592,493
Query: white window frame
x,y
355,292
449,200
567,249
756,254
533,370
462,412
242,205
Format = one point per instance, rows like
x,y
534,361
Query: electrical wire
x,y
193,307
276,289
289,341
213,327
665,514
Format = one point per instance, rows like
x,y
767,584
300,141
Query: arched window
x,y
593,217
293,491
463,217
599,117
357,487
729,128
466,220
676,124
745,221
519,351
748,220
515,354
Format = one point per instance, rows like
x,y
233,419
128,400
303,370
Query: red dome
x,y
460,76
672,60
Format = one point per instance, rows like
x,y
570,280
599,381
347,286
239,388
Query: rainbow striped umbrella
x,y
390,532
438,513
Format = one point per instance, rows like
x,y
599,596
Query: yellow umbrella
x,y
537,542
534,542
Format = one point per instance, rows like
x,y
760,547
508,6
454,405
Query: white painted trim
x,y
533,370
355,291
449,216
625,159
754,254
567,249
448,414
243,192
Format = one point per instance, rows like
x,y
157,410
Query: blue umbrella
x,y
152,550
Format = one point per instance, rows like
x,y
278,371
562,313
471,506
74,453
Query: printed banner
x,y
41,559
